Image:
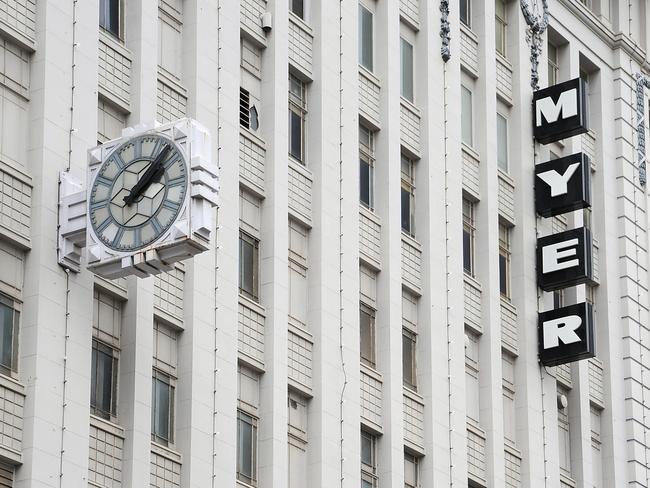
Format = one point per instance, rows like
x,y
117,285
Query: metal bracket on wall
x,y
642,82
445,49
537,23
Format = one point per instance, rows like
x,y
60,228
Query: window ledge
x,y
409,105
365,72
107,426
252,136
410,240
505,177
503,60
511,448
12,384
173,321
470,151
473,427
370,214
300,23
171,81
301,168
166,452
413,395
373,373
468,32
115,43
253,305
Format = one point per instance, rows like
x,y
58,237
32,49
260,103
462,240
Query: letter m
x,y
567,105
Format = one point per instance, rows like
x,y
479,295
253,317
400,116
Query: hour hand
x,y
153,173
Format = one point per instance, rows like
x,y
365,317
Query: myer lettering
x,y
560,111
562,185
564,259
566,334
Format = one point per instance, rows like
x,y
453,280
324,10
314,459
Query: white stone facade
x,y
307,355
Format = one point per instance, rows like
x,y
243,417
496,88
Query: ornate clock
x,y
138,193
149,201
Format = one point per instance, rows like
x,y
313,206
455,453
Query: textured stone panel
x,y
299,355
251,333
251,158
105,458
300,46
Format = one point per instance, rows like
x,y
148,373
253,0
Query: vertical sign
x,y
560,111
566,334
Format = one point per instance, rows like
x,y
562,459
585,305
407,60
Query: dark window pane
x,y
295,135
6,337
406,211
245,447
464,11
364,180
161,409
254,118
467,251
503,275
365,38
109,16
247,269
103,380
367,337
366,449
408,360
298,8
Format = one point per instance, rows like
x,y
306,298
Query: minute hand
x,y
153,172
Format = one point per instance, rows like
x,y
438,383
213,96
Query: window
x,y
471,376
246,448
297,406
297,116
466,12
469,232
248,265
247,416
367,334
564,434
411,471
110,121
366,47
409,342
162,408
9,317
366,167
298,8
107,324
368,460
553,65
466,116
508,383
248,117
298,296
109,16
406,69
163,384
409,339
408,196
103,379
502,143
170,37
500,25
558,299
504,260
596,447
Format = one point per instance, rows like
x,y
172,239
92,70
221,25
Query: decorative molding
x,y
537,24
445,49
642,82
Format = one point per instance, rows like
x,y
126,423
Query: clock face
x,y
138,193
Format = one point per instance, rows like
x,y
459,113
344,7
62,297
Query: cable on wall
x,y
342,354
215,368
448,291
66,336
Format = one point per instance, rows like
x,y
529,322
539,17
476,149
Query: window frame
x,y
410,96
362,61
11,370
553,64
298,108
407,184
253,294
505,251
367,157
371,361
507,152
109,350
252,421
501,25
165,378
105,5
369,471
415,460
467,21
469,229
465,89
412,337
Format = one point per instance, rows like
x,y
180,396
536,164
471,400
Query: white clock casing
x,y
170,220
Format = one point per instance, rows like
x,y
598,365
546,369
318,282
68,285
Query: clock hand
x,y
154,171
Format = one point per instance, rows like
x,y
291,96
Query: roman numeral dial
x,y
138,193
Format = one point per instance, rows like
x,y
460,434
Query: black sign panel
x,y
566,334
560,111
563,185
564,259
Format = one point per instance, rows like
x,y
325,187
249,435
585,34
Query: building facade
x,y
367,315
